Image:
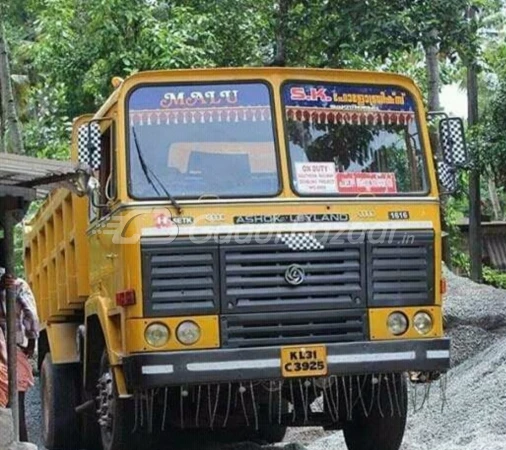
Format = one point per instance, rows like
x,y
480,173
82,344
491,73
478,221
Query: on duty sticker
x,y
316,178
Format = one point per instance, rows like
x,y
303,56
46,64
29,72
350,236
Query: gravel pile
x,y
474,417
475,316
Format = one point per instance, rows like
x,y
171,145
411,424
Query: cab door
x,y
105,273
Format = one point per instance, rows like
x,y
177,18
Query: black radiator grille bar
x,y
180,279
254,277
401,270
258,330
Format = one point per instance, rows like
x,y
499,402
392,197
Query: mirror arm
x,y
437,113
97,205
93,187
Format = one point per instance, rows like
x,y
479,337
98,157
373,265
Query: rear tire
x,y
59,397
380,430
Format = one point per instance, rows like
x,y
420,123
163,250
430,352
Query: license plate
x,y
306,361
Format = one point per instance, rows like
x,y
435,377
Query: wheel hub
x,y
105,400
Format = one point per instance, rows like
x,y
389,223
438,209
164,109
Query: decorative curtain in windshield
x,y
353,139
196,141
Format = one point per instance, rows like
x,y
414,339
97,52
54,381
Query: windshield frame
x,y
423,144
275,134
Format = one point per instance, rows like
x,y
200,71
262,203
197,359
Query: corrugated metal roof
x,y
493,242
17,171
495,249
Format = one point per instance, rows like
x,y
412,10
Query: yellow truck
x,y
259,248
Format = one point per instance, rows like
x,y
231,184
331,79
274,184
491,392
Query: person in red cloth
x,y
4,378
27,330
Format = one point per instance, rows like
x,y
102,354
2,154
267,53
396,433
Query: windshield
x,y
349,140
214,140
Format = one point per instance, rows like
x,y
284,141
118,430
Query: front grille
x,y
179,278
235,280
254,276
260,330
401,269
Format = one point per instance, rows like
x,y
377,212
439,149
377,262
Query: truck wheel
x,y
266,434
271,434
115,416
90,430
59,397
379,430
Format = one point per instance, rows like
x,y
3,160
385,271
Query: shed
x,y
22,180
493,242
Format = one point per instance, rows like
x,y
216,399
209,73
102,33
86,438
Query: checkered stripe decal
x,y
303,241
94,140
447,176
452,134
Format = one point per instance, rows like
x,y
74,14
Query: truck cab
x,y
260,248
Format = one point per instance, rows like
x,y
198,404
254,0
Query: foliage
x,y
490,136
69,50
460,259
19,268
50,126
494,277
122,37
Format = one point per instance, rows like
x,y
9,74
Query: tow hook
x,y
423,377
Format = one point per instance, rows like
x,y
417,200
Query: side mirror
x,y
93,189
79,185
447,175
89,135
453,142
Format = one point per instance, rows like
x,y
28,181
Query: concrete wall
x,y
7,433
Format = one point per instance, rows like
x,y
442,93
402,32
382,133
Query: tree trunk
x,y
475,238
2,125
433,77
10,115
434,105
431,55
494,199
281,27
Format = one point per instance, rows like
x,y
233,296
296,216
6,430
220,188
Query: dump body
x,y
56,257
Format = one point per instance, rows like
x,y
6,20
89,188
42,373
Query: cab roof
x,y
251,73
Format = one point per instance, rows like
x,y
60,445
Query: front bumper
x,y
152,370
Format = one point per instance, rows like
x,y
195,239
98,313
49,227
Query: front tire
x,y
59,397
271,434
383,428
116,416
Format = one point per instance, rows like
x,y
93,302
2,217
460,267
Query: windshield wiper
x,y
148,173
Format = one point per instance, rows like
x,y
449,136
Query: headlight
x,y
423,323
397,323
157,334
188,333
